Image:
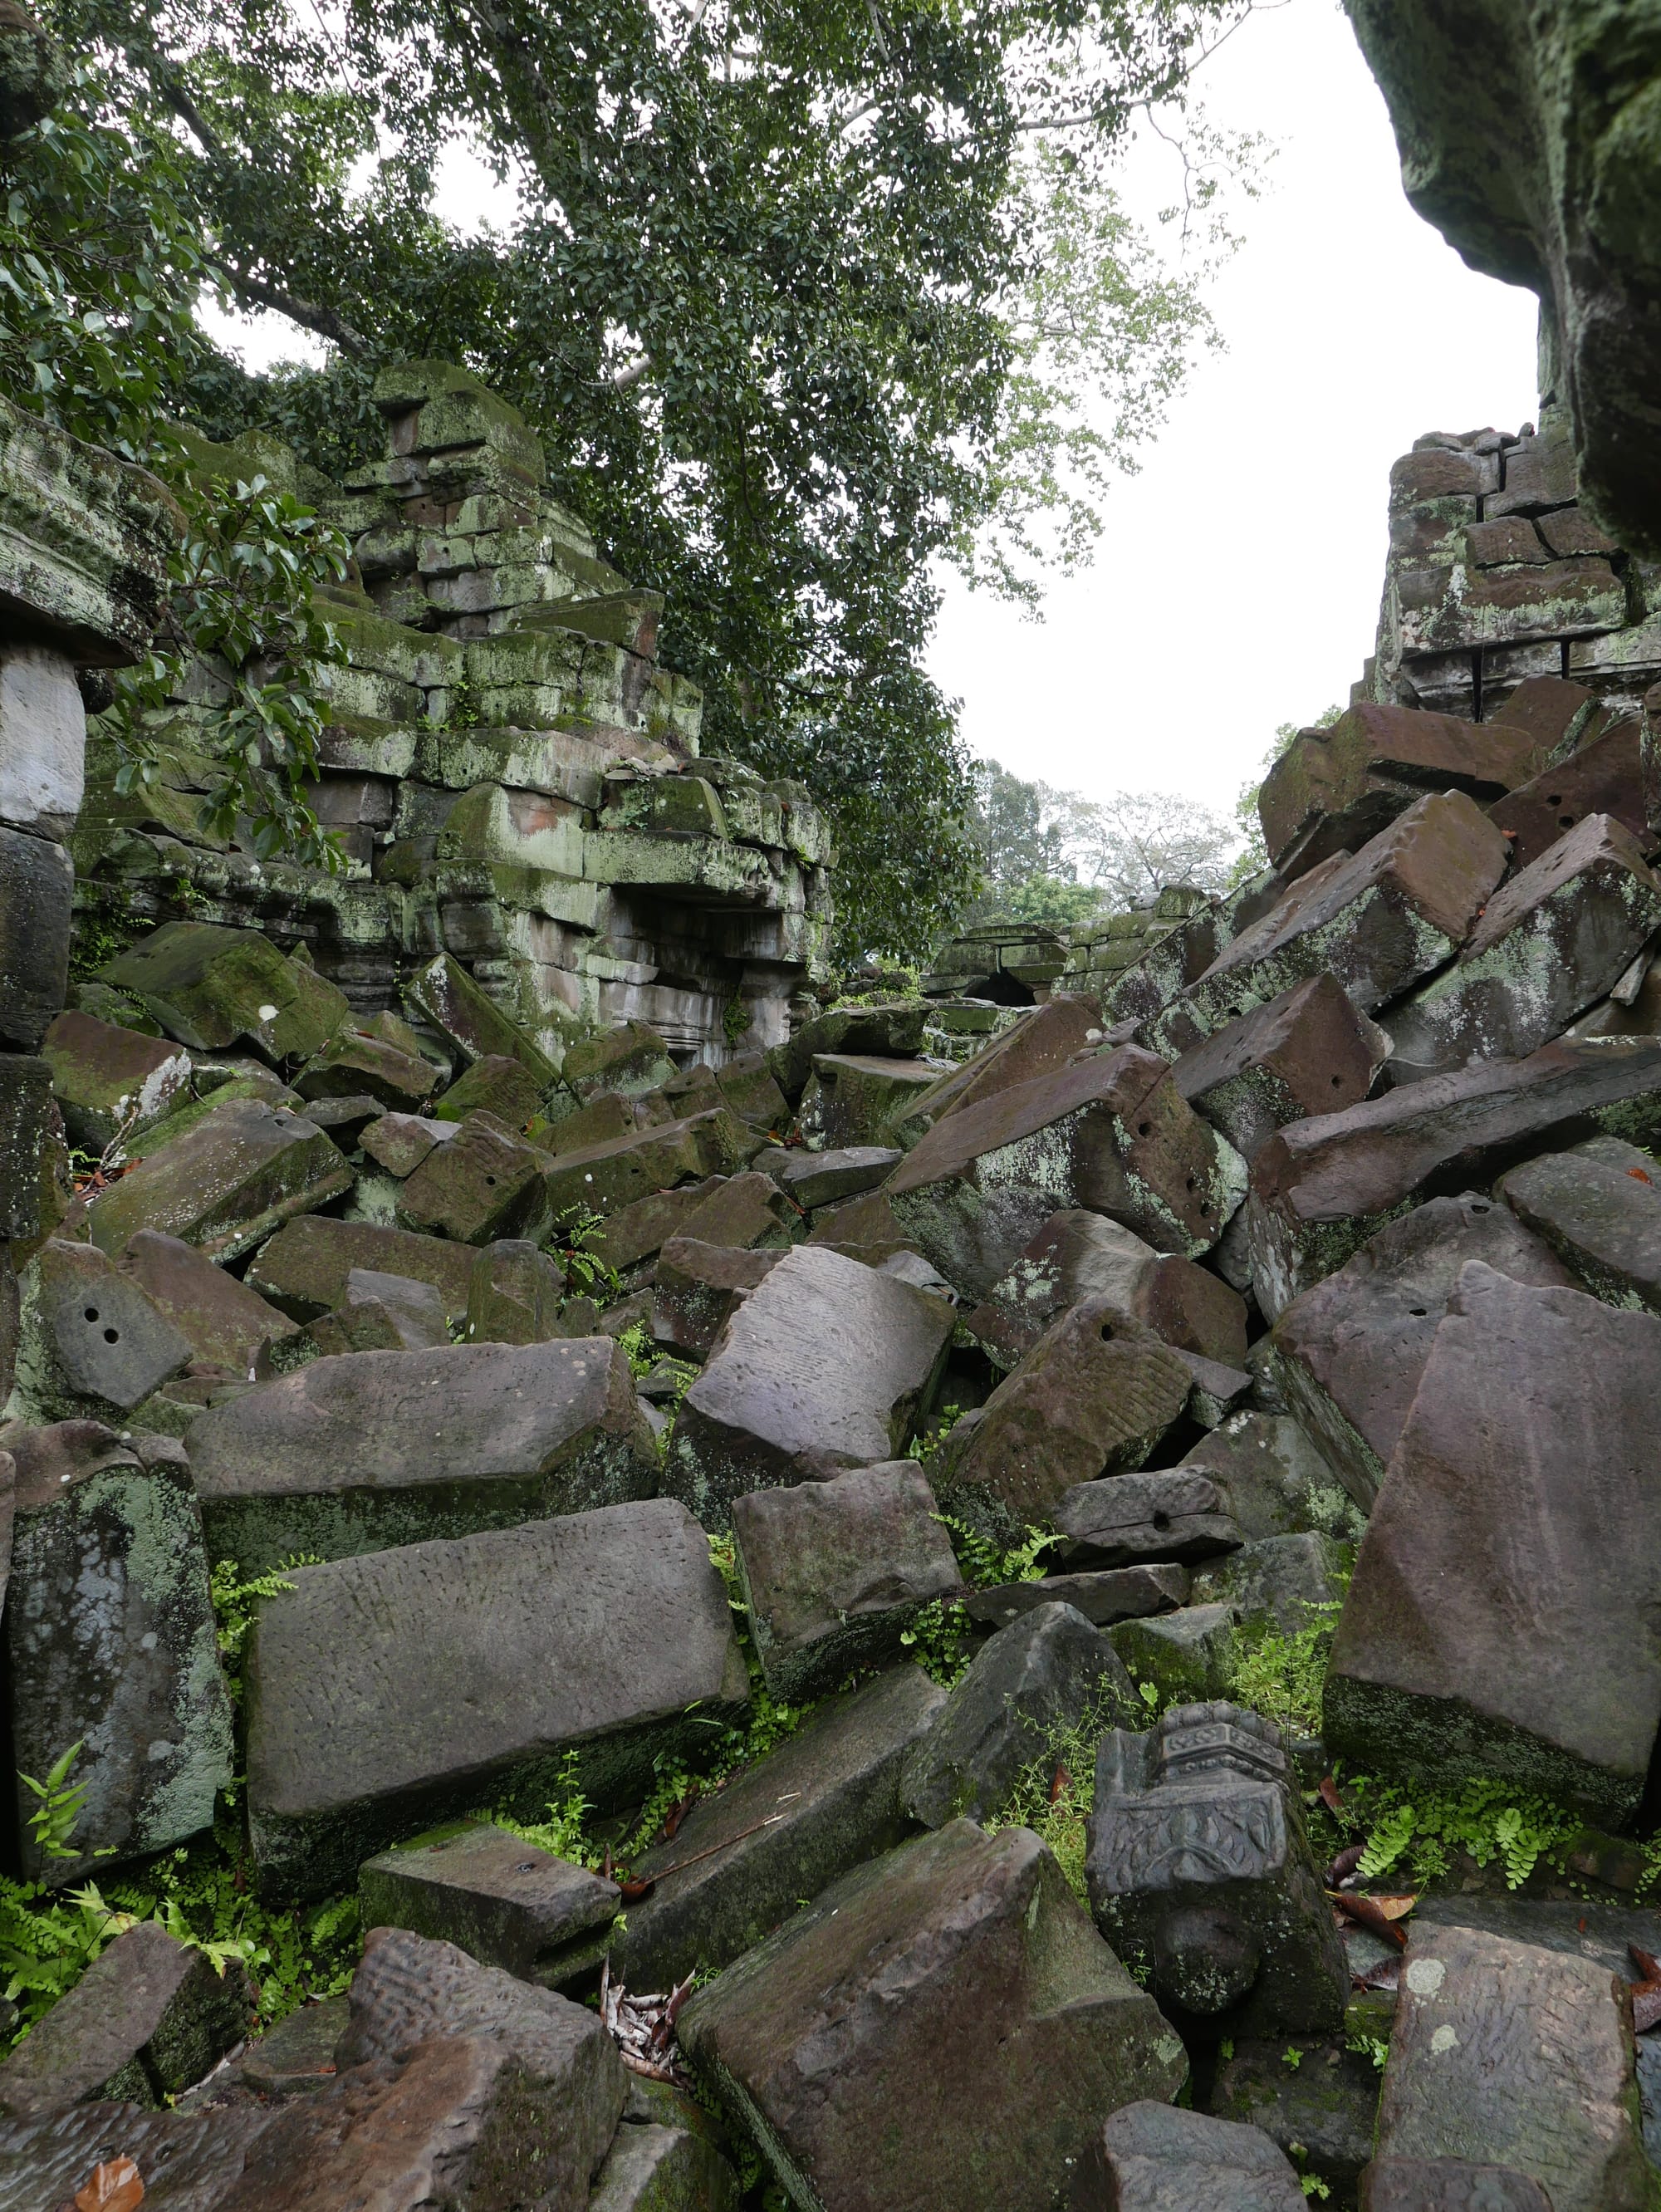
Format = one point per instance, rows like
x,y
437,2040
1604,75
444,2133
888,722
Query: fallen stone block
x,y
824,1799
605,1179
957,1940
110,1642
1598,1206
445,994
813,1179
36,903
400,1142
630,1238
1047,1670
295,2059
696,1287
834,1572
504,1901
1448,2184
1077,1255
225,1185
1272,1480
1109,1134
1198,1869
1188,1656
854,1099
107,1079
484,1185
1094,1396
303,1270
497,1085
649,2167
1491,1628
44,2162
355,1453
393,1690
210,987
825,1365
1276,1582
381,1313
1321,2112
740,1210
90,1342
890,1029
1604,776
1152,2157
514,1293
1375,920
147,2018
353,1065
750,1087
628,1060
29,1123
1519,2057
1109,1595
1041,1042
1549,944
1321,1187
1309,1051
1174,1515
1349,1352
1218,1392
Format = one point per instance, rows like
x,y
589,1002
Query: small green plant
x,y
564,1831
1054,1792
1282,1677
235,1598
466,710
1291,2058
1368,2046
939,1640
736,1020
1149,1692
986,1563
1312,2186
586,1274
1334,1513
54,1820
925,1447
1485,1818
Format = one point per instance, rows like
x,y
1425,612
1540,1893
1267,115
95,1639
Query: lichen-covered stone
x,y
1598,1207
90,1342
486,1184
304,1268
505,1902
209,987
107,1079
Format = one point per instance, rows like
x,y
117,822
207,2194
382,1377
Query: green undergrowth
x,y
939,1638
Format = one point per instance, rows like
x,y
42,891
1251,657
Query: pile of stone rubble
x,y
1317,1262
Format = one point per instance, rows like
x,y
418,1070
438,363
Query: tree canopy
x,y
1056,857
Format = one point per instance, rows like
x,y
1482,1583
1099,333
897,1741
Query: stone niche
x,y
510,774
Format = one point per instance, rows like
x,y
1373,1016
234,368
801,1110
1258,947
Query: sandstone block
x,y
1040,1042
812,1179
355,1453
445,994
90,1341
890,1030
629,1060
352,1065
400,1142
658,2169
1110,1593
42,736
1187,1657
210,986
1151,2157
1270,1479
28,1120
855,1099
1600,1209
1174,1515
44,2161
697,1286
224,1322
498,1084
380,1313
504,1901
393,1690
605,1179
1448,2184
1276,1581
1604,776
303,1270
107,1079
514,1292
36,895
1309,1051
485,1184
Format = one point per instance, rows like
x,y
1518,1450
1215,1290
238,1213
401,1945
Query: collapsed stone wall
x,y
510,774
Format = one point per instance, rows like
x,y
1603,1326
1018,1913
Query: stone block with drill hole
x,y
1347,1352
815,1179
485,1184
695,1289
1109,1595
505,1902
629,1060
1320,1189
890,1029
225,1185
393,1690
1598,1206
835,1573
1094,1396
210,986
381,1313
1199,1868
91,1342
353,1453
1278,1582
36,895
497,1085
1048,1671
1152,2157
1309,1051
107,1079
1173,1515
303,1269
514,1292
352,1065
110,1643
1517,2056
743,1859
445,994
605,1179
938,2027
1605,776
1492,1627
225,1323
1376,921
1077,1255
854,1099
827,1364
148,2017
1448,2184
1109,1134
1272,1480
1551,942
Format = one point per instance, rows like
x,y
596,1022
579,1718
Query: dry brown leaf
x,y
1393,1908
115,2187
1328,1794
1364,1912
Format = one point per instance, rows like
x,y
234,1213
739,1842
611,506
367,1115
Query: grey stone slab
x,y
1311,1050
1278,1582
820,1178
505,1902
92,1344
1272,1480
1110,1595
658,2169
188,2160
1598,1206
382,1313
1126,1519
1152,2157
225,1323
1185,1656
1448,2184
303,1270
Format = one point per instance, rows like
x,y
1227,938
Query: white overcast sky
x,y
1236,586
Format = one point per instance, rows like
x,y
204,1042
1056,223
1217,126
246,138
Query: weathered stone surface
x,y
210,986
606,1179
891,1030
1187,1657
1110,1593
381,1313
835,1572
1448,2184
110,1643
658,2169
1551,942
1602,776
28,1121
106,1078
812,1179
37,893
1041,1043
1197,1865
90,1341
303,1270
1515,2056
485,1184
400,1142
225,1185
1094,1396
825,1365
697,1286
1492,1627
1349,1350
740,1209
1047,1670
445,994
1320,1189
1174,1515
855,1099
1310,1051
514,1293
297,2056
1270,1479
1321,2111
352,1065
390,1691
504,1901
148,2017
188,2159
827,1799
978,2033
1600,1209
355,1453
497,1085
224,1322
1276,1581
629,1060
1151,2157
1109,1134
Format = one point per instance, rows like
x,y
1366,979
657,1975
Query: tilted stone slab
x,y
303,1270
629,1060
1109,1595
855,1099
697,1286
1109,1134
1448,2184
400,1142
110,1643
1152,2157
505,1902
352,1065
1492,1626
1321,1187
650,2166
444,994
379,1313
1187,1657
497,1085
1517,2055
1598,1207
225,1323
1553,940
889,1030
606,1179
390,1691
514,1294
1604,776
90,1342
813,1179
487,1184
1041,1043
1310,1051
1176,1514
827,1364
1349,1352
242,1171
1281,1582
355,1453
1271,1478
829,2039
1376,921
107,1079
209,987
